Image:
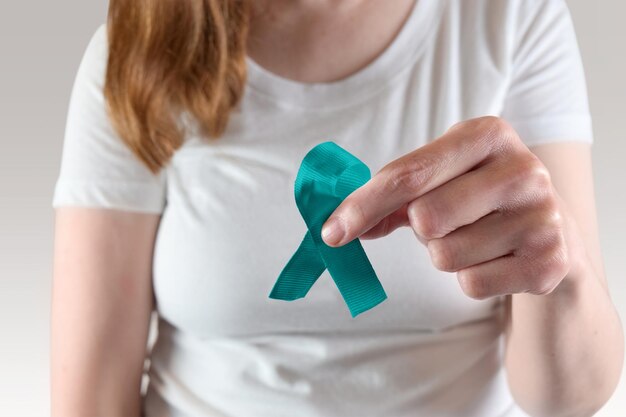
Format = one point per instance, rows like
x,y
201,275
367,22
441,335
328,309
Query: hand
x,y
482,203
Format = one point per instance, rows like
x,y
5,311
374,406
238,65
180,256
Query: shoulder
x,y
504,17
505,34
98,45
100,35
507,8
95,55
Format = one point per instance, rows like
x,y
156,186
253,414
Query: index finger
x,y
410,176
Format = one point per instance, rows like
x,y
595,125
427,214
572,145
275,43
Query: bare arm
x,y
513,235
101,304
565,349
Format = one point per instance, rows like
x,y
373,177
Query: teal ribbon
x,y
327,175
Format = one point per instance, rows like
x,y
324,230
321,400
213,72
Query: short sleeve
x,y
98,169
547,96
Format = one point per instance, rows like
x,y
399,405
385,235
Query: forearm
x,y
92,383
88,377
97,347
564,349
95,401
102,302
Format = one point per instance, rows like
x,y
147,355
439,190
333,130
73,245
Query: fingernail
x,y
332,231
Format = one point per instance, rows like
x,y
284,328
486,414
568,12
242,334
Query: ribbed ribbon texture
x,y
327,175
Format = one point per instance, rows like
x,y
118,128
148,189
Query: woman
x,y
186,127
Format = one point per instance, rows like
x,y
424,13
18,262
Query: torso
x,y
231,224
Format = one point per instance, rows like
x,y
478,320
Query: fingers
x,y
414,174
388,224
465,199
512,274
537,263
486,239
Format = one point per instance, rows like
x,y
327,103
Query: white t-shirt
x,y
230,223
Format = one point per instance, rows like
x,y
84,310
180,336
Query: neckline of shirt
x,y
403,50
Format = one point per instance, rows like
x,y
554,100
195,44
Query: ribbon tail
x,y
298,276
354,276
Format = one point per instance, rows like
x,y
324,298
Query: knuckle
x,y
496,124
423,219
463,125
531,170
408,176
542,286
471,285
495,132
534,239
553,225
356,214
544,233
529,182
441,255
539,174
550,272
496,129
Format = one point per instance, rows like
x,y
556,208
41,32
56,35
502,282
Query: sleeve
x,y
547,96
97,168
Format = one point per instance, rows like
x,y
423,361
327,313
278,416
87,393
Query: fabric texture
x,y
327,175
229,224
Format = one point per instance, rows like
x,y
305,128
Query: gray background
x,y
41,44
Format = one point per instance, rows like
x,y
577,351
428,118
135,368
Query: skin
x,y
102,290
101,305
102,293
498,215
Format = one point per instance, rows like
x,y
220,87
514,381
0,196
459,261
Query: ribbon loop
x,y
327,175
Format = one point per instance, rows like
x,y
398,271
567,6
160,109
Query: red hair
x,y
167,56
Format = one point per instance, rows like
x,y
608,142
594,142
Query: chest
x,y
231,223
